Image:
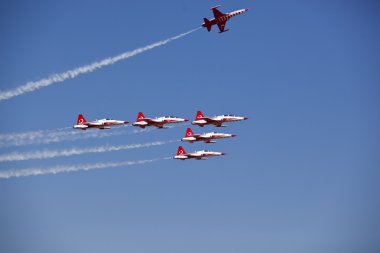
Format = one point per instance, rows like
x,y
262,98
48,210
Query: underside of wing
x,y
217,13
221,26
159,125
148,120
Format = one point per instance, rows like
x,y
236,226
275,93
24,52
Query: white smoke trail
x,y
70,74
58,135
64,134
47,153
70,168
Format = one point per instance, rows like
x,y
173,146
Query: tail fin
x,y
199,115
189,132
207,24
140,116
181,151
81,119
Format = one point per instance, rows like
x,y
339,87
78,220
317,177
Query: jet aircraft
x,y
218,121
159,122
220,18
206,137
199,155
100,124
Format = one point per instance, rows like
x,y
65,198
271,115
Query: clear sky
x,y
301,176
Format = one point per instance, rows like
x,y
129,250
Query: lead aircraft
x,y
217,121
100,124
159,122
220,18
206,137
199,155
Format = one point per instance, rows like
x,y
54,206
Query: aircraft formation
x,y
160,122
220,19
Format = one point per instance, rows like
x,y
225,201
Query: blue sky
x,y
301,176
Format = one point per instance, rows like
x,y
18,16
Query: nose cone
x,y
223,153
246,9
245,118
185,120
233,135
126,122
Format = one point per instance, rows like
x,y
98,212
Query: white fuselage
x,y
207,137
198,155
101,123
217,120
158,122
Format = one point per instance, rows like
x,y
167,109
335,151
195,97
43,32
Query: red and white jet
x,y
220,18
199,155
100,124
218,121
143,122
206,137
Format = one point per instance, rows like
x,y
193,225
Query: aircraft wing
x,y
149,120
217,13
210,120
221,26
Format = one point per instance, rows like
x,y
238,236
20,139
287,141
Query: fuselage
x,y
207,137
101,124
217,120
227,16
158,122
198,155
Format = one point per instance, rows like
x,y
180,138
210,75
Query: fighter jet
x,y
206,137
218,121
100,124
199,155
143,122
220,18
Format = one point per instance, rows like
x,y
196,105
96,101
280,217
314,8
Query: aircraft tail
x,y
81,119
189,132
140,116
207,24
181,151
199,115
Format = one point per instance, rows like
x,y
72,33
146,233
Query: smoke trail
x,y
47,153
58,135
63,134
70,74
70,168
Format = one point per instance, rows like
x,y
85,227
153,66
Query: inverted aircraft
x,y
220,18
206,137
159,122
83,124
199,155
217,121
